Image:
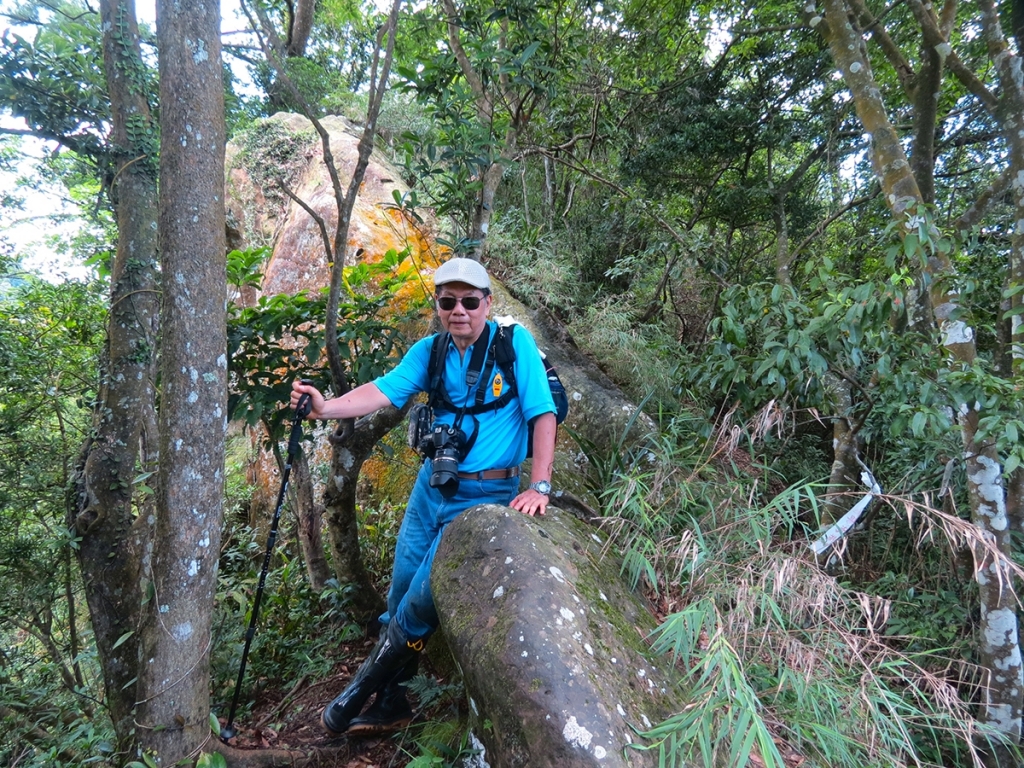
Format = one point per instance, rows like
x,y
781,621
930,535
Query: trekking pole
x,y
301,411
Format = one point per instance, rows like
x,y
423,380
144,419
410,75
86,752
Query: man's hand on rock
x,y
530,502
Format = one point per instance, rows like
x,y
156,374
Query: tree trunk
x,y
1010,112
340,494
112,537
503,93
300,26
347,460
845,433
999,652
845,451
481,224
174,707
309,519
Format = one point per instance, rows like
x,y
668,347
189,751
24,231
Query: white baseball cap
x,y
462,270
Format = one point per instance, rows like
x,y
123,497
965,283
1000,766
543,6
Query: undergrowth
x,y
45,724
298,630
782,664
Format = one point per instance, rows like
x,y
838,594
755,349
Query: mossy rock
x,y
550,641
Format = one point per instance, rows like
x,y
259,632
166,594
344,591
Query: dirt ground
x,y
290,720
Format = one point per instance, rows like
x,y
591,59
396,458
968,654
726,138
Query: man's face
x,y
465,325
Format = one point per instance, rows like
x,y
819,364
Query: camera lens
x,y
445,475
445,467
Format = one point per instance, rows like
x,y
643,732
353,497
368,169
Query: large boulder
x,y
550,642
285,151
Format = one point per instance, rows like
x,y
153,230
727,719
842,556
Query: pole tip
x,y
227,732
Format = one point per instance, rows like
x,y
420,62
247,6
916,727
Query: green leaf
x,y
530,50
1012,463
917,424
214,760
911,245
122,639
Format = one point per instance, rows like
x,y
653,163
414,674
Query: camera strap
x,y
474,381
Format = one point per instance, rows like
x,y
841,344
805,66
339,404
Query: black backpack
x,y
500,352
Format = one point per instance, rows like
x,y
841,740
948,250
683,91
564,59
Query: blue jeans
x,y
410,601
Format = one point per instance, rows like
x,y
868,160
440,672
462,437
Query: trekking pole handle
x,y
302,409
305,404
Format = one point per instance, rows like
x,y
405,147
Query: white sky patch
x,y
32,228
717,38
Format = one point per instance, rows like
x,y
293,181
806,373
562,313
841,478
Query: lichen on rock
x,y
557,664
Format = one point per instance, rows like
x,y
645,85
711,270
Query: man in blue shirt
x,y
487,472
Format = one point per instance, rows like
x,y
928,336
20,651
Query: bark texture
x,y
112,537
349,453
181,570
309,521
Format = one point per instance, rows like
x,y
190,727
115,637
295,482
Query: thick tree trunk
x,y
112,537
1010,112
174,707
999,651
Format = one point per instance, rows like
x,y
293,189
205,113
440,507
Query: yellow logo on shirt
x,y
496,385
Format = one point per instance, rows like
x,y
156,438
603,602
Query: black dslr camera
x,y
447,453
444,444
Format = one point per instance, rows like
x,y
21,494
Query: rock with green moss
x,y
549,639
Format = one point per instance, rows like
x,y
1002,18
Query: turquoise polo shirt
x,y
503,433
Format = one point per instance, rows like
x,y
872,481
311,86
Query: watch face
x,y
541,486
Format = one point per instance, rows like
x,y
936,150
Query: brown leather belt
x,y
491,474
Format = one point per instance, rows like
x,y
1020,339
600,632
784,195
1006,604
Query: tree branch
x,y
967,220
571,162
904,71
822,226
935,38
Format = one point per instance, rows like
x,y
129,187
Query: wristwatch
x,y
541,486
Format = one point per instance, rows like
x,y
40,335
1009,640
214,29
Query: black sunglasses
x,y
447,303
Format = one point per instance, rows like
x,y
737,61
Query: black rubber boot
x,y
388,658
390,710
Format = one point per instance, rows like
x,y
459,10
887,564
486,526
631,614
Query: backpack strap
x,y
476,361
481,391
505,353
435,370
481,361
